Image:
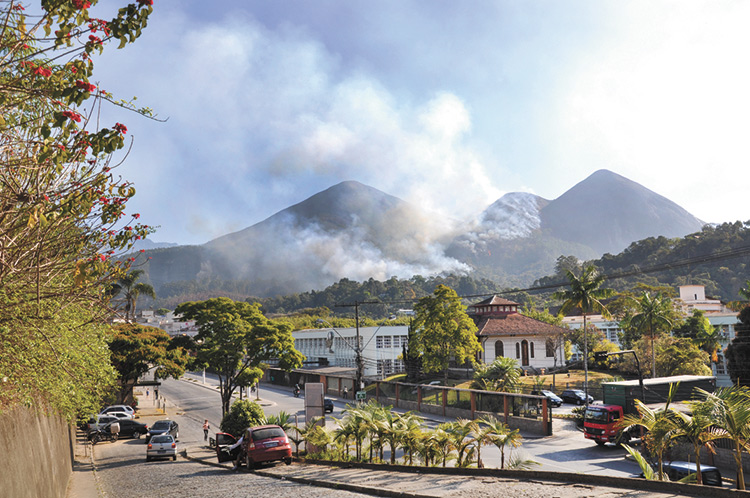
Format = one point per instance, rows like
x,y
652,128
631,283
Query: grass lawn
x,y
574,378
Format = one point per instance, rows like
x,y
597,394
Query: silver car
x,y
161,446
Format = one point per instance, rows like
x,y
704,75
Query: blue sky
x,y
444,104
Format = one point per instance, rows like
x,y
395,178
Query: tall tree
x,y
137,348
585,294
738,351
442,331
654,315
130,288
500,375
235,340
729,409
62,208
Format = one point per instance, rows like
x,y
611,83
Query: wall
x,y
36,454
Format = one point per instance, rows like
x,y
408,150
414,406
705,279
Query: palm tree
x,y
500,375
586,295
699,430
393,429
129,286
482,434
502,436
412,435
655,313
730,410
460,432
659,425
443,441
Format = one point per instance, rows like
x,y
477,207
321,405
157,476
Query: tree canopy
x,y
137,348
442,331
235,340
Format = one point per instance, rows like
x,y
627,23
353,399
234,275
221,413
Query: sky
x,y
448,105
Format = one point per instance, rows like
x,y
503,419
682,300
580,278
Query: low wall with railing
x,y
529,413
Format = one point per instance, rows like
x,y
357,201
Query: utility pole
x,y
358,345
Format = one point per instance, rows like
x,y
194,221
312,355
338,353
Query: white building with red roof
x,y
503,331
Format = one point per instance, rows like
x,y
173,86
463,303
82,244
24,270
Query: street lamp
x,y
357,350
599,355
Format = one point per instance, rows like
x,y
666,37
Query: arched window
x,y
531,348
499,349
518,350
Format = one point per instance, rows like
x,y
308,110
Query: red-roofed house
x,y
503,331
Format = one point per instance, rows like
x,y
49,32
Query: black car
x,y
552,398
131,428
164,427
327,405
575,396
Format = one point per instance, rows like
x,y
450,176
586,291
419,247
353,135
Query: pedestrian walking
x,y
156,393
346,392
206,427
147,392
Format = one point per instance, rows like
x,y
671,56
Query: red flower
x,y
72,115
95,40
145,2
81,4
85,86
121,128
43,71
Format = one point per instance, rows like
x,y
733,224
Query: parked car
x,y
677,470
97,422
131,428
119,408
266,443
327,405
120,415
161,427
552,398
161,446
428,386
575,396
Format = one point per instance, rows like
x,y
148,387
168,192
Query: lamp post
x,y
357,351
604,354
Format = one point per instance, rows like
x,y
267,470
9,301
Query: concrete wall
x,y
36,454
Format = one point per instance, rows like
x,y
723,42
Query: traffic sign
x,y
361,395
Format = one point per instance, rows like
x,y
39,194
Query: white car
x,y
161,446
119,408
99,421
120,415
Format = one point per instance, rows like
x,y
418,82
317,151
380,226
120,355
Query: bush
x,y
241,415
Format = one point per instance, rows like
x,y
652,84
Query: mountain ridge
x,y
352,230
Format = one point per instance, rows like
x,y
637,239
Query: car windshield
x,y
161,439
161,425
596,415
267,433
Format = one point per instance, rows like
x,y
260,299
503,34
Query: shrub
x,y
241,415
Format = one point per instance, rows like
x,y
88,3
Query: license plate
x,y
271,444
161,451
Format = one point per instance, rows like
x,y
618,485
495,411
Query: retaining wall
x,y
36,454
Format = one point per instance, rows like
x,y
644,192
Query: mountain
x,y
607,212
354,231
349,230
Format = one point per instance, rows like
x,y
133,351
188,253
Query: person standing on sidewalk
x,y
206,427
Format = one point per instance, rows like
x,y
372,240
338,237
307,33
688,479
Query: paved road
x,y
566,451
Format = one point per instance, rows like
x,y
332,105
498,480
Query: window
x,y
387,341
531,351
379,342
499,349
518,350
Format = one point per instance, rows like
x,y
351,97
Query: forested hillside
x,y
716,257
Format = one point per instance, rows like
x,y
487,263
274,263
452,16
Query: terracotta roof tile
x,y
514,324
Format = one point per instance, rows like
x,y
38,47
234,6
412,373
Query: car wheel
x,y
174,457
599,443
579,402
148,458
137,435
288,461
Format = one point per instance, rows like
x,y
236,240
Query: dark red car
x,y
265,443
